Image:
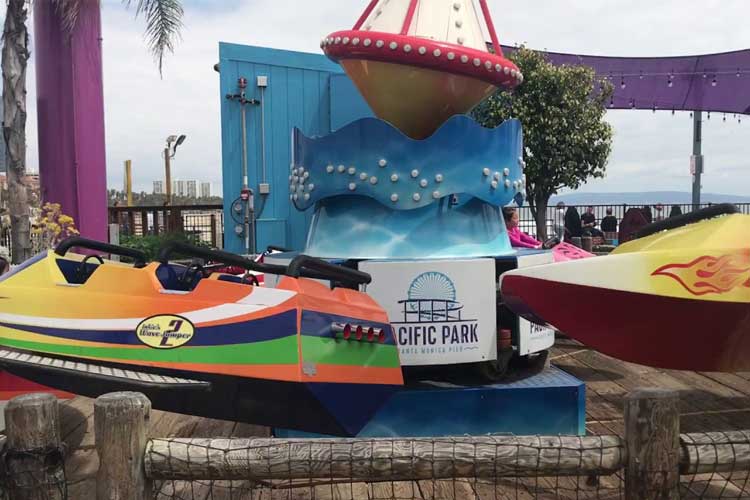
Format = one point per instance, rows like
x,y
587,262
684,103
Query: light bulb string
x,y
712,73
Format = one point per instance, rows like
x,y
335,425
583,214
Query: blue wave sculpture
x,y
371,158
379,194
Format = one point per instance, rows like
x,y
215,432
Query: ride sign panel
x,y
531,337
442,311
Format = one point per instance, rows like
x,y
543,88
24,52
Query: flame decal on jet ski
x,y
707,274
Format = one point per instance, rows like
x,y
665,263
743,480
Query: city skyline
x,y
191,188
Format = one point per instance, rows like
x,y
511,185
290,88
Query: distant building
x,y
205,189
192,189
158,187
179,188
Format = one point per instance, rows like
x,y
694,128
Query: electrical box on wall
x,y
262,81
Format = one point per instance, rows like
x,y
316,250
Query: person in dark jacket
x,y
609,222
589,223
675,211
573,226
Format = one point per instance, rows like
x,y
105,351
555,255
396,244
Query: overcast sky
x,y
651,151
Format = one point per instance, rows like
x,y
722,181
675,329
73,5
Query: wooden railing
x,y
652,454
204,221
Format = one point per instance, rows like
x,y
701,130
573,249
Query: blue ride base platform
x,y
551,402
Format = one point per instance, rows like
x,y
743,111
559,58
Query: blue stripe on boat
x,y
257,330
316,324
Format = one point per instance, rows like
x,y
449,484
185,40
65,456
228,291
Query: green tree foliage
x,y
561,108
150,244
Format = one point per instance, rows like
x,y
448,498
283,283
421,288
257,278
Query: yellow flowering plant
x,y
52,226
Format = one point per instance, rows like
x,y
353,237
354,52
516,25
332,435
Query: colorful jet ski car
x,y
300,356
677,297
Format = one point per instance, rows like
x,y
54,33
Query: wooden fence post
x,y
120,421
34,461
652,436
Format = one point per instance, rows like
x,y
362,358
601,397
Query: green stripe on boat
x,y
348,353
272,352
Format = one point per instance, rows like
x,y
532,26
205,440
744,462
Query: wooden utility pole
x,y
129,182
652,434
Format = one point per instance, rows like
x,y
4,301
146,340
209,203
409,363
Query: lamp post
x,y
169,151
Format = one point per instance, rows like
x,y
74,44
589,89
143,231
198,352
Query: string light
x,y
709,115
724,119
714,82
622,83
670,75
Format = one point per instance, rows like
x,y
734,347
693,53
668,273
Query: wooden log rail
x,y
383,459
709,452
652,453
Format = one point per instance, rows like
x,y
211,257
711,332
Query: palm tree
x,y
163,23
14,58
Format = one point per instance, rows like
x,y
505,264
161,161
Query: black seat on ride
x,y
178,277
76,273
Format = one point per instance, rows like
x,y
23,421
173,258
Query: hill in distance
x,y
644,198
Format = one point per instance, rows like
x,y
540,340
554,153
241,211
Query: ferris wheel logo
x,y
431,298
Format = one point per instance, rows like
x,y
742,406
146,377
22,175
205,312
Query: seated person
x,y
589,223
517,237
609,223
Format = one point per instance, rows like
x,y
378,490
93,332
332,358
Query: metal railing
x,y
556,218
206,222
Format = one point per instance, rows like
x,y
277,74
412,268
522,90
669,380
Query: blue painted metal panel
x,y
298,95
549,403
347,104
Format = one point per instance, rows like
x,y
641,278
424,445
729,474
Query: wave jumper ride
x,y
301,355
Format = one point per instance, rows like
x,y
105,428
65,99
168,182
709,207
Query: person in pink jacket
x,y
517,237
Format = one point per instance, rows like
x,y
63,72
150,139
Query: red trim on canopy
x,y
422,52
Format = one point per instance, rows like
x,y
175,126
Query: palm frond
x,y
163,23
68,11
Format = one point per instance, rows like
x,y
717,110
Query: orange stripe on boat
x,y
355,375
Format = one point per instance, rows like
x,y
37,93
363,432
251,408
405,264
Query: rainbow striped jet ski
x,y
301,356
677,297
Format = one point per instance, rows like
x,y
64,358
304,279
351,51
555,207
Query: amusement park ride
x,y
407,263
